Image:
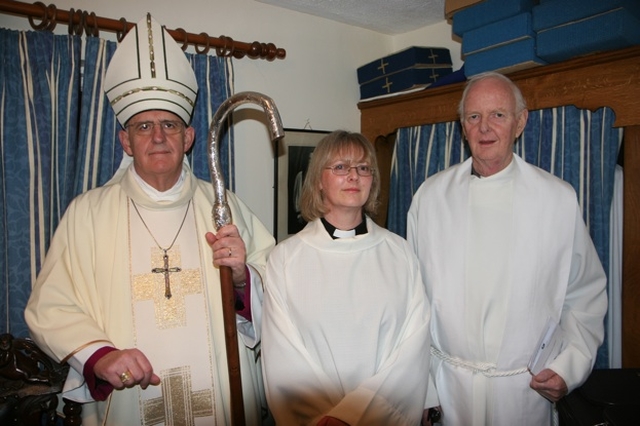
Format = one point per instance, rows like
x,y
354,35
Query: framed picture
x,y
291,161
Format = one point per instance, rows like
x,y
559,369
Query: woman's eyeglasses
x,y
341,169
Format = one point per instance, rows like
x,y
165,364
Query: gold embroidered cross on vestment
x,y
179,403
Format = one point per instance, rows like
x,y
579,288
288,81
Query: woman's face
x,y
343,186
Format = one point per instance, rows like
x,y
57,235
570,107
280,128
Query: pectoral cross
x,y
166,271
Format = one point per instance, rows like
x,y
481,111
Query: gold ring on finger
x,y
126,376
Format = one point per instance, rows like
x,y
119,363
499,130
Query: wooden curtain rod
x,y
80,22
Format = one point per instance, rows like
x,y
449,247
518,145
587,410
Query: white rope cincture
x,y
488,369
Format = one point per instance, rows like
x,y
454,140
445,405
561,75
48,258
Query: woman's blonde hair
x,y
338,144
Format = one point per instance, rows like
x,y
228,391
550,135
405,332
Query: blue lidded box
x,y
549,14
509,30
412,57
411,78
609,30
505,58
487,12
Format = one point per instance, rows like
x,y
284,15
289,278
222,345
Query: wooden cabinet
x,y
605,79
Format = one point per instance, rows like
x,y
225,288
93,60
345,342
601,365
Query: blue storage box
x,y
411,78
488,12
506,31
615,29
412,57
504,59
551,14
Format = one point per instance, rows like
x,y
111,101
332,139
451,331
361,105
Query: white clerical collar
x,y
339,233
172,194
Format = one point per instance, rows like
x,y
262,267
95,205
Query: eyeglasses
x,y
145,128
341,169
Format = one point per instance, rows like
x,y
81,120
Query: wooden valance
x,y
43,17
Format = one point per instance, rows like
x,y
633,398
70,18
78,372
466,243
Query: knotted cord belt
x,y
488,369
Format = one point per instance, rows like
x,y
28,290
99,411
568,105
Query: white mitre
x,y
149,71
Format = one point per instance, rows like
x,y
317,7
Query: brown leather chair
x,y
30,382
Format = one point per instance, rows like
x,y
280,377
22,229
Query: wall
x,y
315,86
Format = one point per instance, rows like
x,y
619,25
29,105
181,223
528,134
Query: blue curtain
x,y
99,151
576,145
215,82
39,94
59,138
419,153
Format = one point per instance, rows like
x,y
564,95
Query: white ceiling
x,y
384,16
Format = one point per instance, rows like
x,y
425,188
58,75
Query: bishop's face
x,y
157,141
491,124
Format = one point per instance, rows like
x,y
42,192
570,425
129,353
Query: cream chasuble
x,y
91,292
165,327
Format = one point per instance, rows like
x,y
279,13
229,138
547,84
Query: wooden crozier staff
x,y
222,216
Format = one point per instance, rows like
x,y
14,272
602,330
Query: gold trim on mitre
x,y
149,71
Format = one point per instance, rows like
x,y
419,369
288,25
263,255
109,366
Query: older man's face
x,y
157,140
491,125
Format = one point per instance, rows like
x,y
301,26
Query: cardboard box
x,y
611,30
488,12
504,59
412,57
412,78
452,6
506,31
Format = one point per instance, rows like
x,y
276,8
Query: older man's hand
x,y
549,384
125,369
229,250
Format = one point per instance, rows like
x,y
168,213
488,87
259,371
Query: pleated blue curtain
x,y
420,152
579,146
215,82
99,151
39,94
58,138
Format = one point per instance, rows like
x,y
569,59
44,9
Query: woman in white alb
x,y
346,318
